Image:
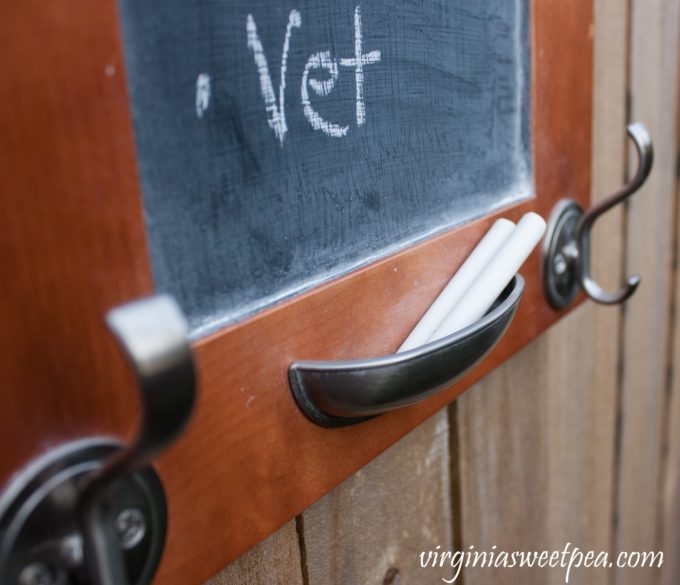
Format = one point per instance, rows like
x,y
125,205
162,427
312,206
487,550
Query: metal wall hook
x,y
153,334
566,252
103,503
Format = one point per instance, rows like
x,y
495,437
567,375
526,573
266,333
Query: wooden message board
x,y
282,144
76,245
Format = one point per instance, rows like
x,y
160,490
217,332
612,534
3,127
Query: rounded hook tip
x,y
634,281
631,285
625,293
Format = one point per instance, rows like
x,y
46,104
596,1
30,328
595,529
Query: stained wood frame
x,y
74,245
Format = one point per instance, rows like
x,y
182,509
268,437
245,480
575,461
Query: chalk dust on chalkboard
x,y
283,144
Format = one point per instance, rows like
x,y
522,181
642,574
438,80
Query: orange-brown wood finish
x,y
72,242
73,245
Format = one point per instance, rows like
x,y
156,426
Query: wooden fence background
x,y
576,439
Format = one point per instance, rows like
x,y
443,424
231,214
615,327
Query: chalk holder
x,y
341,393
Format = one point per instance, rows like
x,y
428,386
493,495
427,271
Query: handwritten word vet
x,y
320,61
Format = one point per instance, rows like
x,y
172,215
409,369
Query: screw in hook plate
x,y
560,277
37,574
560,264
131,527
90,538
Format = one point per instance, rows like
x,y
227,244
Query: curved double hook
x,y
645,149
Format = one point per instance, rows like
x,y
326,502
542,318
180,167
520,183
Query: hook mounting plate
x,y
560,267
39,537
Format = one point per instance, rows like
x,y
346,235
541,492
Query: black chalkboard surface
x,y
281,144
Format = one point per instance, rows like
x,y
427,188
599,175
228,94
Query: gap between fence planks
x,y
373,527
370,529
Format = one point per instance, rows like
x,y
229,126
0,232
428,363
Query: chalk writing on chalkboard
x,y
202,94
322,60
281,145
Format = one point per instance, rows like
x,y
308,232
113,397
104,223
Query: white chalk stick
x,y
496,275
461,281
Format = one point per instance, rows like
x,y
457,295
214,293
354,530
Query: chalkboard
x,y
282,144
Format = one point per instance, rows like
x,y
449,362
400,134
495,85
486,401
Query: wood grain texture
x,y
373,527
653,87
503,464
536,456
275,561
536,437
670,495
670,511
72,242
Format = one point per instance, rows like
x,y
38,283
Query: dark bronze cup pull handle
x,y
339,393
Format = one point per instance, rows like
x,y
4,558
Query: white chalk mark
x,y
276,113
358,63
202,94
321,61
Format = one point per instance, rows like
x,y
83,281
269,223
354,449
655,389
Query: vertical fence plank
x,y
654,54
372,528
537,436
670,511
503,471
583,354
276,561
671,495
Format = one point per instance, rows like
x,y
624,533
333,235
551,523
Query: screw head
x,y
37,574
559,264
131,527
